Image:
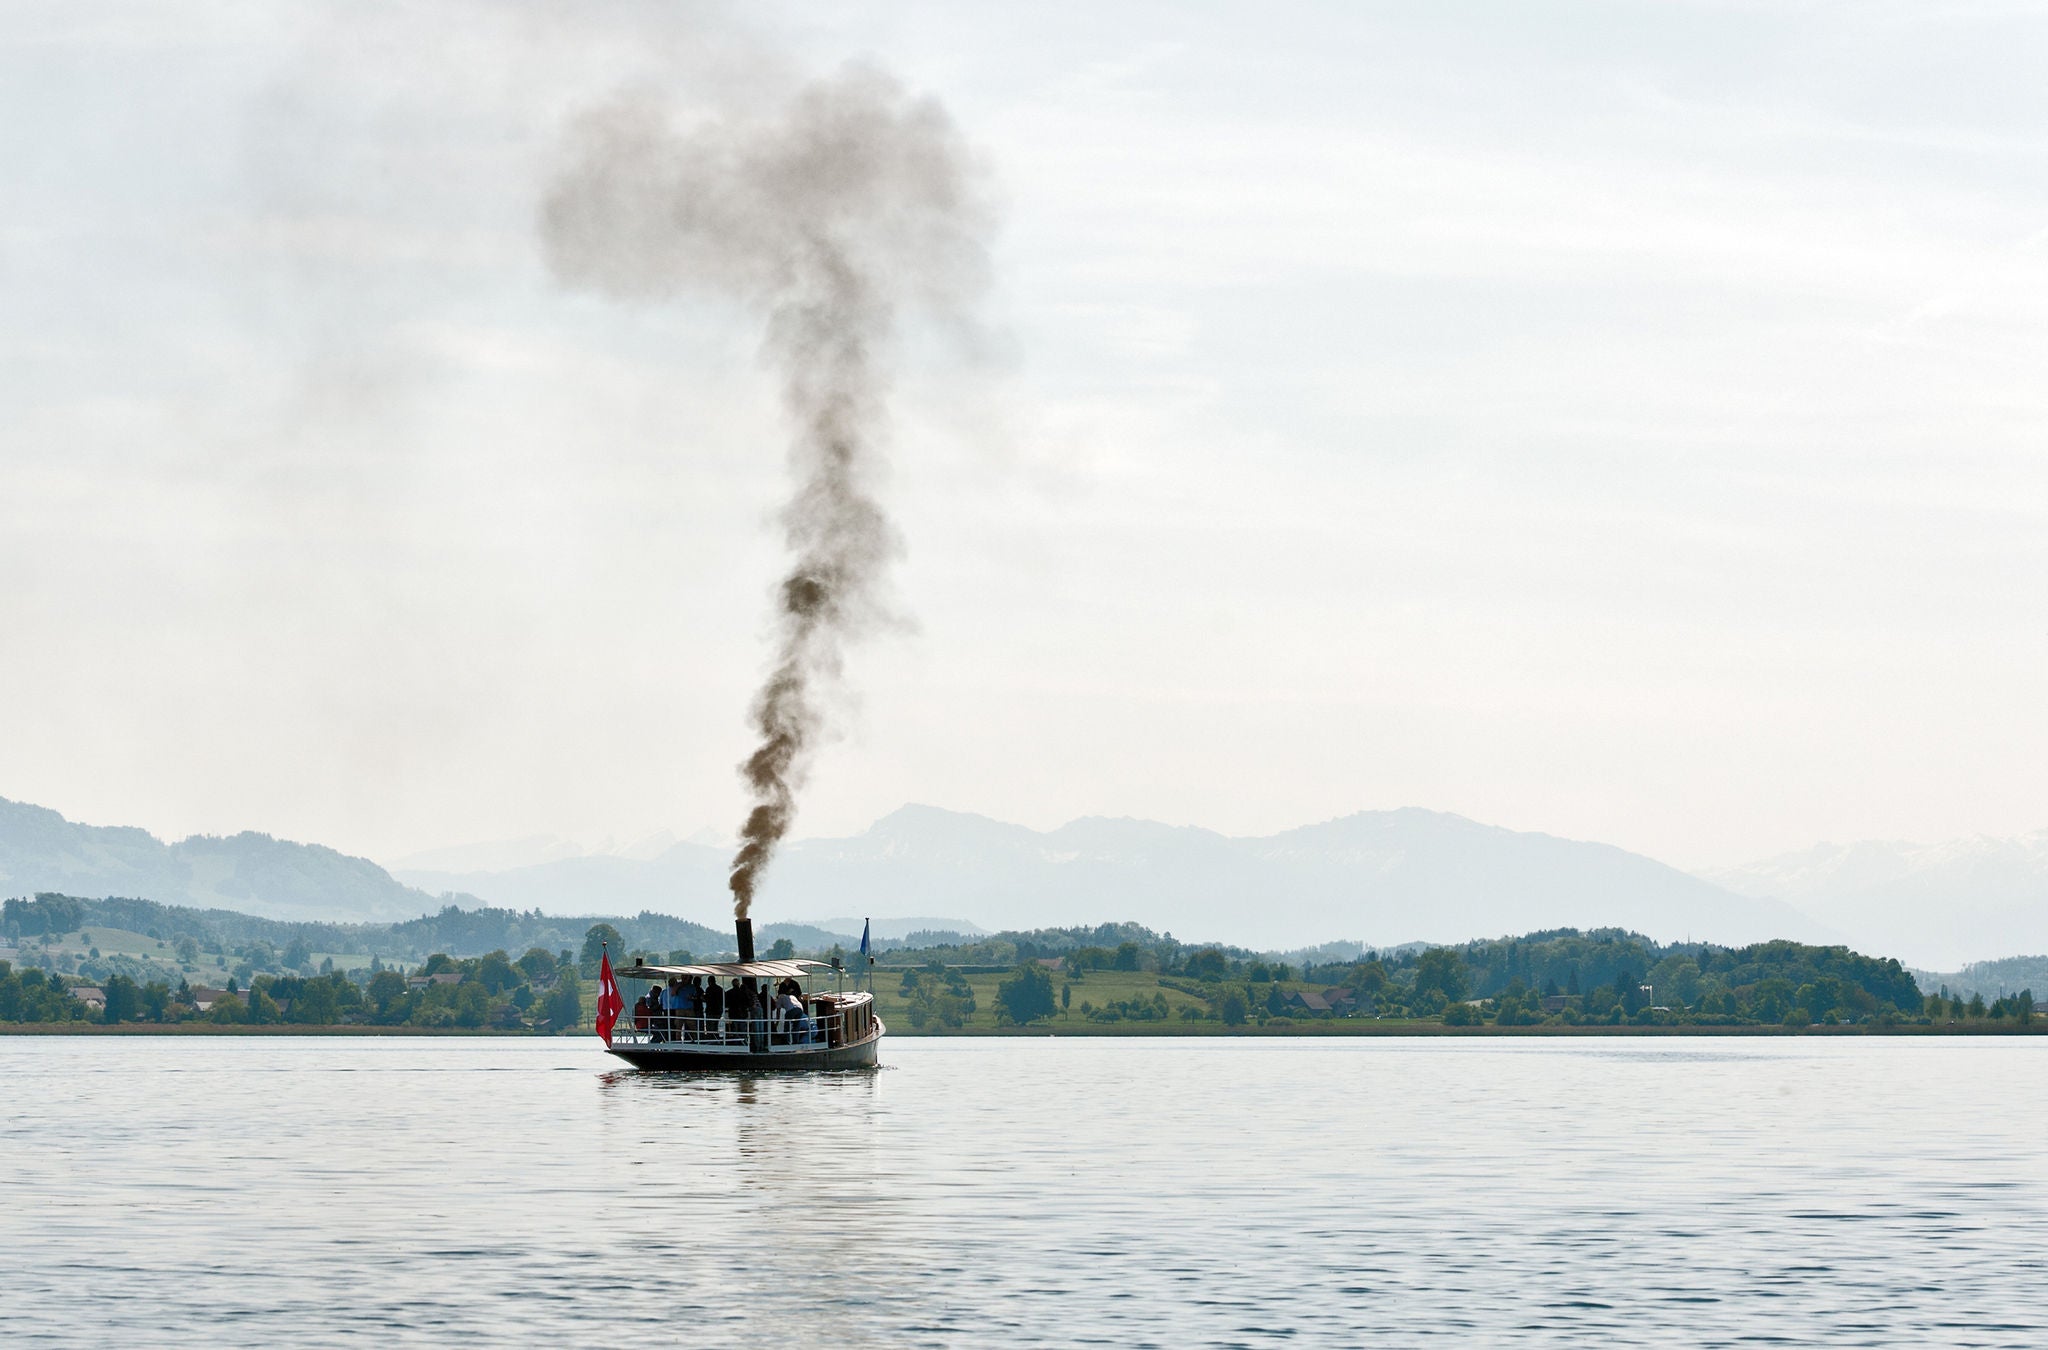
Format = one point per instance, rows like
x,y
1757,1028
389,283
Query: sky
x,y
1620,420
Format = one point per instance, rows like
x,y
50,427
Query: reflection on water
x,y
1045,1192
733,1176
786,1140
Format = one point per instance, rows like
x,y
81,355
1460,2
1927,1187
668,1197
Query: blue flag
x,y
863,937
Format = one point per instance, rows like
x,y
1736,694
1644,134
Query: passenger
x,y
672,1001
779,1013
789,1005
686,1008
743,1004
714,1006
640,1013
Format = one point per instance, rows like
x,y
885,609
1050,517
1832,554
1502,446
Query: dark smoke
x,y
826,213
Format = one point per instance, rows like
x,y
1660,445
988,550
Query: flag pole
x,y
609,1004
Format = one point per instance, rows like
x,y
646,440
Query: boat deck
x,y
836,1031
642,1052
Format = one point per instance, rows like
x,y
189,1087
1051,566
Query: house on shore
x,y
1331,1002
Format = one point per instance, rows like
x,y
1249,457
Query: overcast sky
x,y
1618,420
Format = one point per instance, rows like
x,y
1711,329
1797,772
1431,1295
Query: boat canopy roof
x,y
760,970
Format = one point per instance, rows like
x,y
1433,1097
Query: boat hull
x,y
682,1056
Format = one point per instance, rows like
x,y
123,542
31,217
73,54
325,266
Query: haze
x,y
1617,420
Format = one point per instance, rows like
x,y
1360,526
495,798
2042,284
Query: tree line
x,y
1598,977
539,992
32,996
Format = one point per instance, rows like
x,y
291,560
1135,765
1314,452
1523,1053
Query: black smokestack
x,y
745,928
826,213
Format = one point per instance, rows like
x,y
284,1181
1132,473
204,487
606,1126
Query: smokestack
x,y
745,928
827,215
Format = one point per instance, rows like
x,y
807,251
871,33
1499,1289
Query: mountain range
x,y
1946,904
1381,877
42,851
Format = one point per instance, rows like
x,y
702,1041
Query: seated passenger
x,y
640,1013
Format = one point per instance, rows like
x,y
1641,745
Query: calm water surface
x,y
1033,1192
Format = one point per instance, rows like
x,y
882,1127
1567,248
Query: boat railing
x,y
738,1035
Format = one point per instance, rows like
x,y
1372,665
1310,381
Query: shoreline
x,y
1411,1030
180,1029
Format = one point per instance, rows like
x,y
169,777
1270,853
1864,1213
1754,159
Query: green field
x,y
206,968
1097,989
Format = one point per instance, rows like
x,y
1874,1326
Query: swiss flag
x,y
609,1004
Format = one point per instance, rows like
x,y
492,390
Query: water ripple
x,y
1029,1192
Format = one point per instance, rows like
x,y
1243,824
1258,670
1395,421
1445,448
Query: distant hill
x,y
1384,876
1992,979
257,943
919,926
684,879
42,851
505,854
1936,905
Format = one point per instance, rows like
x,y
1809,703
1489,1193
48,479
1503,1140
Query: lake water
x,y
287,1192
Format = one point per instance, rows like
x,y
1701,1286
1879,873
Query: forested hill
x,y
146,940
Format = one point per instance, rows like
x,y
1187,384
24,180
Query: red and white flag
x,y
609,1004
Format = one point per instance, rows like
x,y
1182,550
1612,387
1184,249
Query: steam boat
x,y
768,1016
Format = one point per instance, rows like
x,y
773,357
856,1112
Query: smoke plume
x,y
827,214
